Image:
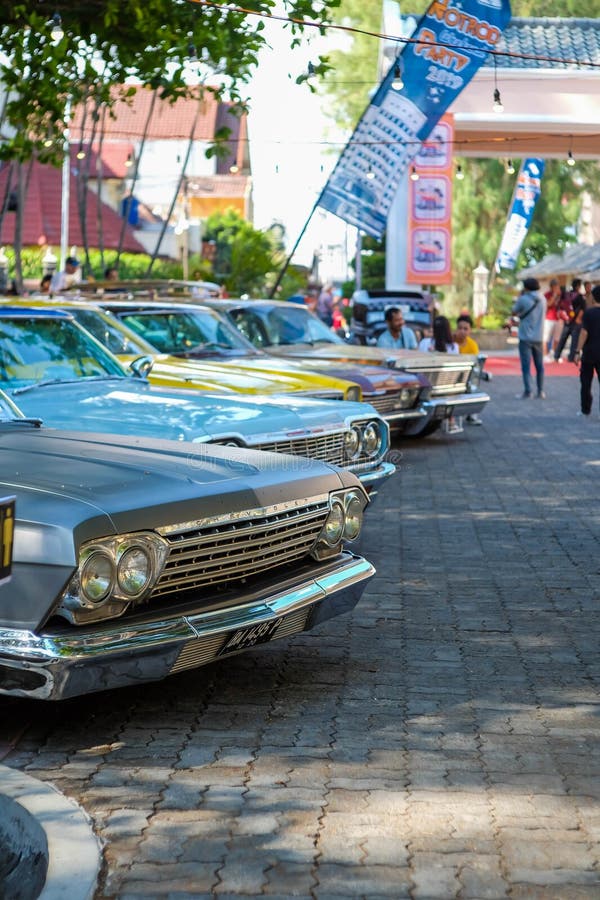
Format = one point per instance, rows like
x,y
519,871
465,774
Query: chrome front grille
x,y
235,549
391,402
446,380
328,447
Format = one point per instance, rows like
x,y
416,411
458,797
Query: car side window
x,y
251,327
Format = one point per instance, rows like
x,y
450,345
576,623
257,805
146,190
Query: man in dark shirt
x,y
588,351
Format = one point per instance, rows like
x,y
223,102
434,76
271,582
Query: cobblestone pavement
x,y
440,742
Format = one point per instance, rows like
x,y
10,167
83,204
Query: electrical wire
x,y
350,29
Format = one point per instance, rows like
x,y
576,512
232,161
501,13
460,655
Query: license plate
x,y
251,636
7,526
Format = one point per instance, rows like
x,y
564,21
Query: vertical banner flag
x,y
449,45
527,190
430,209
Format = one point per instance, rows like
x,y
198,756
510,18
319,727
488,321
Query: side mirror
x,y
141,366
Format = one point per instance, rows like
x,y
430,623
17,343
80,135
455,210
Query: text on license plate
x,y
249,637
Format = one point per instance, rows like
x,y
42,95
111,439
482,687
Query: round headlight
x,y
371,439
134,571
334,526
352,442
405,395
97,575
353,393
354,517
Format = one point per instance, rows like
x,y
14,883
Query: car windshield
x,y
277,326
36,350
182,332
107,329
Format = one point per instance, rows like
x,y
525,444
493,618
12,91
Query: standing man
x,y
531,310
325,305
588,351
398,335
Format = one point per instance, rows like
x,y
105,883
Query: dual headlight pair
x,y
343,523
364,439
113,572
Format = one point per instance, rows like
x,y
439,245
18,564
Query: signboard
x,y
449,45
430,209
7,524
527,191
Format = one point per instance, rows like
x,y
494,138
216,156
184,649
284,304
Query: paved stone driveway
x,y
441,742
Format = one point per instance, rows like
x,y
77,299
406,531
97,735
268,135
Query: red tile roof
x,y
114,158
41,218
219,185
168,120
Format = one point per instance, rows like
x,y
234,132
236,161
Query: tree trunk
x,y
126,204
177,190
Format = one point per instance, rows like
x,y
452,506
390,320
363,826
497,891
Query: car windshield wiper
x,y
47,381
24,421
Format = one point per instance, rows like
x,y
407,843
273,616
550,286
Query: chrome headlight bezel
x,y
77,603
352,442
354,394
341,504
372,439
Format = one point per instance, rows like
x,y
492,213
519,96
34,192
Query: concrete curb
x,y
73,849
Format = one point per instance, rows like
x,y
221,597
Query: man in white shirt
x,y
398,335
70,275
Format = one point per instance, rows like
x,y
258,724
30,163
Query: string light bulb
x,y
81,153
459,173
570,160
370,174
510,169
234,169
498,105
397,81
128,161
311,74
56,32
414,175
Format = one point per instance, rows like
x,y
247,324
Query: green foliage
x,y
105,44
244,256
131,265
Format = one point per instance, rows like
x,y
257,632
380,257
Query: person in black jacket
x,y
588,351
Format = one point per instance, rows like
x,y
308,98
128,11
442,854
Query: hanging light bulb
x,y
570,160
459,173
234,169
56,32
510,169
129,161
397,81
498,106
48,142
81,153
370,174
192,52
414,175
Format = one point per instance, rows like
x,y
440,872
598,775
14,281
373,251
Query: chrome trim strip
x,y
258,512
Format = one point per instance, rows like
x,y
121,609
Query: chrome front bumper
x,y
444,407
373,479
79,661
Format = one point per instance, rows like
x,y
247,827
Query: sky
x,y
289,164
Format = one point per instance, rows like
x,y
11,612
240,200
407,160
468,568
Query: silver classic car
x,y
132,564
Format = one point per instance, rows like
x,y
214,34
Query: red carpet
x,y
510,365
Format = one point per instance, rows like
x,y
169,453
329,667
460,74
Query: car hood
x,y
371,378
261,375
131,407
355,353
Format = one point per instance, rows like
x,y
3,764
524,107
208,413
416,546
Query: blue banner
x,y
525,196
449,45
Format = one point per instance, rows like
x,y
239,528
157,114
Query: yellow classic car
x,y
241,375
